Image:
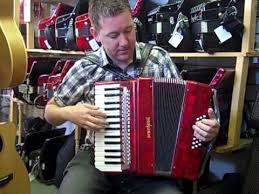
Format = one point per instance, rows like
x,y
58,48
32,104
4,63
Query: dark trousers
x,y
81,177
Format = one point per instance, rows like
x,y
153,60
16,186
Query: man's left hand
x,y
207,129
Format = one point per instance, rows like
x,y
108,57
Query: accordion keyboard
x,y
109,142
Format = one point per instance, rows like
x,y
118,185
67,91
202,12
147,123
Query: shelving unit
x,y
241,70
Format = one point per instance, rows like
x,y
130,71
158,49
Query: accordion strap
x,y
144,54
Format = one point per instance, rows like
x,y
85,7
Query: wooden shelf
x,y
178,55
217,54
227,148
54,53
253,54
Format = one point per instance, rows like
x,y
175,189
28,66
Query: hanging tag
x,y
222,34
27,11
93,44
47,44
176,39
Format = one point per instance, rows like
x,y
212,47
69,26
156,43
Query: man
x,y
113,27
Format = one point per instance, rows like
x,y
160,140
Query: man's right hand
x,y
84,115
87,116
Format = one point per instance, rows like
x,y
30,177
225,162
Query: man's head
x,y
113,26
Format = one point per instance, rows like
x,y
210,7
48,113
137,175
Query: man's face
x,y
117,35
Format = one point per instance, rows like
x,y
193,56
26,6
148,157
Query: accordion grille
x,y
168,98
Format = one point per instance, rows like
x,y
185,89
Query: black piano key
x,y
110,95
112,162
107,109
112,136
112,156
112,150
110,116
111,142
111,129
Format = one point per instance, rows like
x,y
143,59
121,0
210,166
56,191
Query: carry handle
x,y
217,78
5,180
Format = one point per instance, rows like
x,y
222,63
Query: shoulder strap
x,y
94,59
145,53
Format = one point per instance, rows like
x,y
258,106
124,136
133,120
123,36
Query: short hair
x,y
106,8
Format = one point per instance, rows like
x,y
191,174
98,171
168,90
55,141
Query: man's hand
x,y
87,116
207,129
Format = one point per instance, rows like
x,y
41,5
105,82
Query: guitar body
x,y
13,55
13,174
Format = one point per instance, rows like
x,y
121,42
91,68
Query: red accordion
x,y
150,127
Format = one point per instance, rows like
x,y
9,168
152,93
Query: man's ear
x,y
94,33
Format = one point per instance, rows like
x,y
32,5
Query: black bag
x,y
33,142
46,163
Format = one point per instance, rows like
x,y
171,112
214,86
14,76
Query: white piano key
x,y
107,159
113,112
109,168
106,99
107,92
107,154
104,147
107,86
114,126
118,119
110,133
107,140
104,106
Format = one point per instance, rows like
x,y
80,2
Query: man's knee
x,y
82,177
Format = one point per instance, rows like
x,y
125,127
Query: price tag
x,y
222,34
47,44
27,11
176,39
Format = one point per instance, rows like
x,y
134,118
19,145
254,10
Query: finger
x,y
208,122
209,126
203,132
98,121
198,136
202,135
203,126
211,114
97,113
90,106
92,126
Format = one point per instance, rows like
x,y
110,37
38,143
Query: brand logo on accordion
x,y
148,127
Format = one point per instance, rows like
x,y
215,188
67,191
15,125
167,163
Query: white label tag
x,y
222,34
27,11
159,27
47,44
93,44
176,39
76,32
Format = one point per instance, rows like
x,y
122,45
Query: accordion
x,y
150,127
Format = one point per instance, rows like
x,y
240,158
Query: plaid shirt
x,y
77,86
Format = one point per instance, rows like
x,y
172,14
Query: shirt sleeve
x,y
73,86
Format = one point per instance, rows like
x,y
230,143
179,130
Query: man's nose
x,y
123,40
